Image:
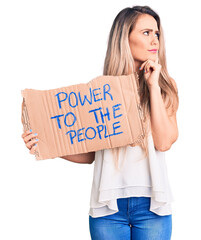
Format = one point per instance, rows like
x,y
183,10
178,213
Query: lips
x,y
153,50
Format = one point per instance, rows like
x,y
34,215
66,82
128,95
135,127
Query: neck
x,y
137,66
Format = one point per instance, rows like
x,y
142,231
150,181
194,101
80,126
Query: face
x,y
143,38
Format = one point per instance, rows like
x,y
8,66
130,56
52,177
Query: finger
x,y
26,133
147,68
31,143
33,149
150,65
142,66
29,137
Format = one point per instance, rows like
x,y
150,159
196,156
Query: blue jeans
x,y
133,221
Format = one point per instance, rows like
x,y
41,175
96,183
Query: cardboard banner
x,y
104,113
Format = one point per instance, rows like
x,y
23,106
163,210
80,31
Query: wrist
x,y
154,87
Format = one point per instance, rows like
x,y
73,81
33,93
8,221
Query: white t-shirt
x,y
137,177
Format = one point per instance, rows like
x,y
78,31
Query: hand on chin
x,y
151,70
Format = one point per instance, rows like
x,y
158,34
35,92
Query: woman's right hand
x,y
30,140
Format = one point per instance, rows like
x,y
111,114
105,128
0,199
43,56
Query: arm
x,y
164,127
81,158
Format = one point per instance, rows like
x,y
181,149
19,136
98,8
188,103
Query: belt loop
x,y
128,206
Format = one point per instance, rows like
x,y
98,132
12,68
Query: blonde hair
x,y
119,61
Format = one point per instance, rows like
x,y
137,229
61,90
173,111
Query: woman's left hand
x,y
151,72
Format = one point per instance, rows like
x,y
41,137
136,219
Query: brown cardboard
x,y
50,113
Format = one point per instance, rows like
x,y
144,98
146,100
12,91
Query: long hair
x,y
119,61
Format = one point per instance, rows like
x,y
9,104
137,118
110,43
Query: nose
x,y
154,40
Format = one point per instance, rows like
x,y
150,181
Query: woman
x,y
131,196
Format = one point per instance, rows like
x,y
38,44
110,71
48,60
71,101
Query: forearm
x,y
163,130
81,158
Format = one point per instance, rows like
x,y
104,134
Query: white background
x,y
50,44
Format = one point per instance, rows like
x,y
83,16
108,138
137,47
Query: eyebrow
x,y
150,30
157,31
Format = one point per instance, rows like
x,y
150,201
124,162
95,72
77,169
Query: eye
x,y
146,32
157,34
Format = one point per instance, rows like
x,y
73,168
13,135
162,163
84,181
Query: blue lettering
x,y
116,110
75,98
94,111
58,120
59,100
114,128
96,95
106,91
100,130
93,130
73,117
78,134
105,135
71,137
105,115
85,98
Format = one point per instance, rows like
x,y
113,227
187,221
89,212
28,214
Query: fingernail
x,y
35,134
36,139
140,68
35,144
30,130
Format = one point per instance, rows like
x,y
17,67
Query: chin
x,y
153,58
